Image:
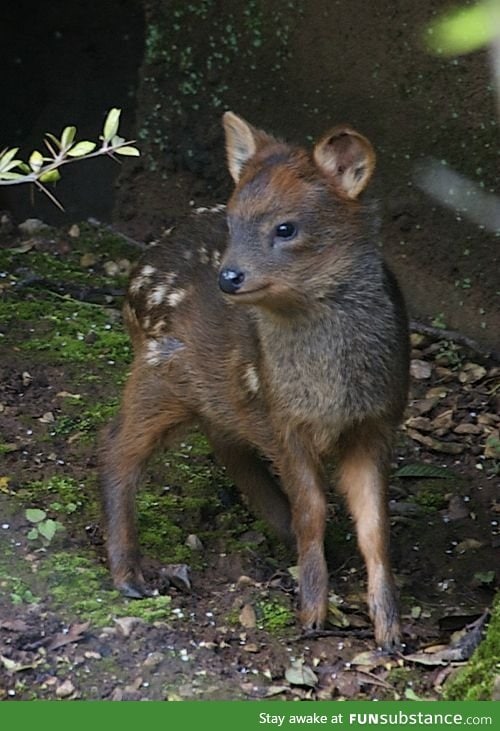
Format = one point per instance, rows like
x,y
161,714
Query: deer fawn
x,y
276,327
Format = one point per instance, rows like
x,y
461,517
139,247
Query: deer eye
x,y
285,231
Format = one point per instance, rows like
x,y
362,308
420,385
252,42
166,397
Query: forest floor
x,y
223,625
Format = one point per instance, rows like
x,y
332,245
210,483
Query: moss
x,y
88,421
75,586
274,615
431,494
475,681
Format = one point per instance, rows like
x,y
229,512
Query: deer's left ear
x,y
347,158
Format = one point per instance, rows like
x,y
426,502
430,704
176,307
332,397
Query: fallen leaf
x,y
468,544
126,624
420,369
371,658
178,575
4,483
471,373
47,418
435,444
347,683
75,633
300,674
14,625
423,469
421,423
459,650
16,667
276,690
466,428
251,647
456,509
423,406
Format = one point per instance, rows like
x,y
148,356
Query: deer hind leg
x,y
363,480
149,415
253,477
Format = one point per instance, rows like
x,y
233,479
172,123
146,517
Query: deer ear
x,y
242,142
347,158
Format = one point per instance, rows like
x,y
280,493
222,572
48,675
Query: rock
x,y
88,260
247,617
65,689
153,659
32,226
194,543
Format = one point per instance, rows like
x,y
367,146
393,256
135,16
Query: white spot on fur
x,y
157,295
160,351
176,297
137,284
203,255
158,328
216,257
148,270
187,254
212,209
170,278
251,378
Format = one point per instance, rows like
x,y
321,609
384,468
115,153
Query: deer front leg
x,y
303,482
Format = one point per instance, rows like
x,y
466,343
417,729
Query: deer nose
x,y
230,280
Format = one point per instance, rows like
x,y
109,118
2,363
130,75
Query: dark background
x,y
294,68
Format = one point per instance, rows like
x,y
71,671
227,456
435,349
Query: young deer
x,y
298,353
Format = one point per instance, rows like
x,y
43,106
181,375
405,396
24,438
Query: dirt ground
x,y
223,625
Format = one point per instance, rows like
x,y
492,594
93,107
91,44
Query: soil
x,y
223,625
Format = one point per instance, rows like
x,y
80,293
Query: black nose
x,y
230,280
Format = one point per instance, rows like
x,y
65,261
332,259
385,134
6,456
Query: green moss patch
x,y
475,681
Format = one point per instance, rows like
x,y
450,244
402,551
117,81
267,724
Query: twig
x,y
66,290
457,337
98,224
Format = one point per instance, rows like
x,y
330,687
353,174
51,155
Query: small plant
x,y
42,169
44,529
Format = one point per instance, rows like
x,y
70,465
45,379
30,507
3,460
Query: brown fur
x,y
302,356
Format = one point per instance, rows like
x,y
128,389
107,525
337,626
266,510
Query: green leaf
x,y
53,139
82,148
35,515
67,137
464,30
128,150
422,469
111,124
10,165
52,176
36,160
7,157
485,577
32,534
48,529
11,176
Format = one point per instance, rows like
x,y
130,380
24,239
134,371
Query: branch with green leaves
x,y
41,170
